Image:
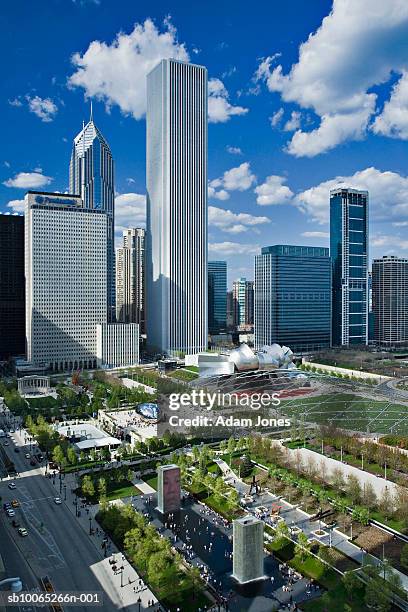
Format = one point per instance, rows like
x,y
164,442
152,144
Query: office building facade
x,y
293,297
176,239
117,345
217,296
66,280
91,176
349,253
243,300
12,286
130,278
390,300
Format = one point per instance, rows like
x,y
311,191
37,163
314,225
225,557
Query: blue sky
x,y
303,96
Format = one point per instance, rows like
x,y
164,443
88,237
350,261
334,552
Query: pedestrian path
x,y
144,487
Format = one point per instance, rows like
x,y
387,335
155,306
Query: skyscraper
x,y
176,238
65,252
293,297
349,251
130,278
217,296
12,301
390,300
243,297
91,176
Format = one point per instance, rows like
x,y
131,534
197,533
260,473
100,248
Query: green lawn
x,y
151,479
349,412
126,491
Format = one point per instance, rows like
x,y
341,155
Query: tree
x,y
385,503
351,583
246,467
369,497
87,486
233,499
337,479
102,487
353,488
302,547
281,533
58,455
377,595
231,444
71,455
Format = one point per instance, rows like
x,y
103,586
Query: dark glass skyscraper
x,y
12,286
217,296
91,175
293,297
349,251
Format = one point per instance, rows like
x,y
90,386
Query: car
x,y
11,430
6,443
27,455
15,524
7,506
57,500
23,531
33,462
10,512
12,485
15,503
16,450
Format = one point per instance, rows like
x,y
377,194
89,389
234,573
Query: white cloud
x,y
130,181
273,191
234,150
388,193
220,109
16,102
16,205
233,223
357,46
7,164
130,211
384,240
44,108
28,180
393,120
232,248
293,123
116,73
239,178
315,234
276,117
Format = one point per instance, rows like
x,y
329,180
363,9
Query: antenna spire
x,y
91,117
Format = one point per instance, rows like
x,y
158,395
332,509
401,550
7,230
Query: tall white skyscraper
x,y
91,175
176,241
65,252
130,278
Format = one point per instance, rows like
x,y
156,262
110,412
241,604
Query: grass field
x,y
349,411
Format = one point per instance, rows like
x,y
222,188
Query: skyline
x,y
44,111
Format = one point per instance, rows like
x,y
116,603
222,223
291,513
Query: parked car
x,y
27,455
12,485
23,531
16,449
7,506
10,512
57,500
15,503
6,443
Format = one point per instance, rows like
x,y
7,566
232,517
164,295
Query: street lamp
x,y
121,576
65,492
139,601
90,525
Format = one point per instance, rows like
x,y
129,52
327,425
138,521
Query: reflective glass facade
x,y
293,297
91,175
217,296
348,251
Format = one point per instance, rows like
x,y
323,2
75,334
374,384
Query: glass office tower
x,y
293,297
349,251
91,175
217,296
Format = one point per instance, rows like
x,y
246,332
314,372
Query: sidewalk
x,y
125,596
296,517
